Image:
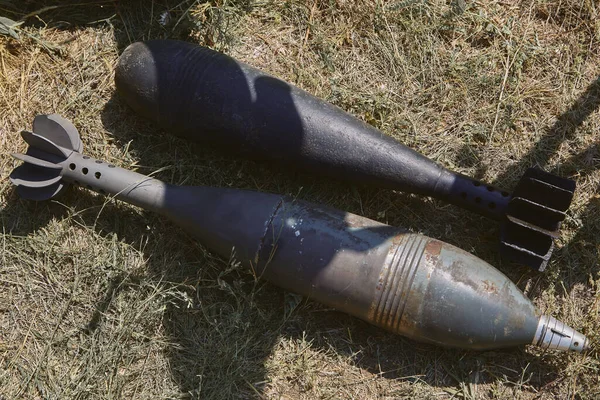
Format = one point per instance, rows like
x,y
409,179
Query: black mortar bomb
x,y
205,96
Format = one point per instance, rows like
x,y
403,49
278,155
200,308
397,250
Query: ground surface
x,y
103,300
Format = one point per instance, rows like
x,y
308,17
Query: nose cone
x,y
136,79
554,334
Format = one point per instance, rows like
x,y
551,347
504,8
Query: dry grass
x,y
108,301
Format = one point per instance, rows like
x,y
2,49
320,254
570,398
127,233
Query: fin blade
x,y
58,130
42,143
41,194
35,161
33,176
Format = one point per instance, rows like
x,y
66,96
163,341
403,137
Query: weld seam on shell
x,y
268,225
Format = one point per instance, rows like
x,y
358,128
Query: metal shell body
x,y
407,283
404,282
205,96
202,95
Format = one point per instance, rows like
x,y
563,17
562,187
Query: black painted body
x,y
205,96
208,97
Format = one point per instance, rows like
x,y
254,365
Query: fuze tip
x,y
556,335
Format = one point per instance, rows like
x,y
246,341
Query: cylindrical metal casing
x,y
202,95
404,282
206,96
407,283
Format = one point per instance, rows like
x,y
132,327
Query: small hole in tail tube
x,y
98,162
110,166
576,344
490,189
476,183
477,200
86,157
84,170
72,166
492,205
98,175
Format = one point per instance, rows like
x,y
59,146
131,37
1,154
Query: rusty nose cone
x,y
554,334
